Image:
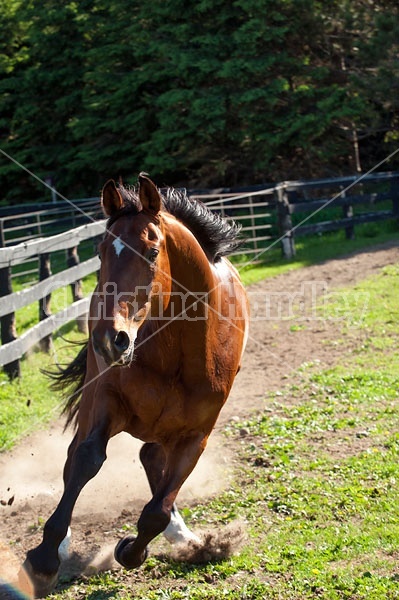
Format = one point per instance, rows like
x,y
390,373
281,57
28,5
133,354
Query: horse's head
x,y
134,270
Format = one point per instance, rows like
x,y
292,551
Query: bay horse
x,y
167,330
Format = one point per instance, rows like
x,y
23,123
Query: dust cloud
x,y
31,475
215,545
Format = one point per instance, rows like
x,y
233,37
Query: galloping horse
x,y
167,330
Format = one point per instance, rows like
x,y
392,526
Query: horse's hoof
x,y
121,553
43,584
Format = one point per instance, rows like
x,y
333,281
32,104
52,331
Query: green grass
x,y
27,403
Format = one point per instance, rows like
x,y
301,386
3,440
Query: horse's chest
x,y
152,405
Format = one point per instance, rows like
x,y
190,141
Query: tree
x,y
46,90
14,54
209,93
374,75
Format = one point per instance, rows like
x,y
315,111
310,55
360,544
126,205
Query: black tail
x,y
70,382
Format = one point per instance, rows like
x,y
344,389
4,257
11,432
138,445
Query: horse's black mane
x,y
217,236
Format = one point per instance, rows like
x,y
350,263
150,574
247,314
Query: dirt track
x,y
279,343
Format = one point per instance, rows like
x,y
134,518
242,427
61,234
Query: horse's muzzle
x,y
115,347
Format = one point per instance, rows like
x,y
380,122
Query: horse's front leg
x,y
86,455
152,457
180,460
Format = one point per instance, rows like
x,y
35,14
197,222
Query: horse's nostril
x,y
121,341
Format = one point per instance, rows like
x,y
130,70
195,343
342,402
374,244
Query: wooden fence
x,y
13,348
27,222
292,209
267,214
348,202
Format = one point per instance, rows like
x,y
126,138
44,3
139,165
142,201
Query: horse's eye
x,y
152,254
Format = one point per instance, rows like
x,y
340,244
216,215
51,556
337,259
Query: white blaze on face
x,y
118,245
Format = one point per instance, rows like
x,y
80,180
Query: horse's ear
x,y
111,200
149,195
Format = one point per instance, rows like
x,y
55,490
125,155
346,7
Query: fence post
x,y
285,223
8,329
347,213
38,224
44,303
96,242
253,222
395,196
76,287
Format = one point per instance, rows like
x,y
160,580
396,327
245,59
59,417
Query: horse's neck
x,y
185,306
190,268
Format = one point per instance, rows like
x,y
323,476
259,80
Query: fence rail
x,y
299,204
265,213
18,254
14,350
39,290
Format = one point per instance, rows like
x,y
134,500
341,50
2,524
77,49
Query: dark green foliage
x,y
203,94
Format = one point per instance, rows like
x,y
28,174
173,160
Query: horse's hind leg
x,y
152,457
155,518
85,459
